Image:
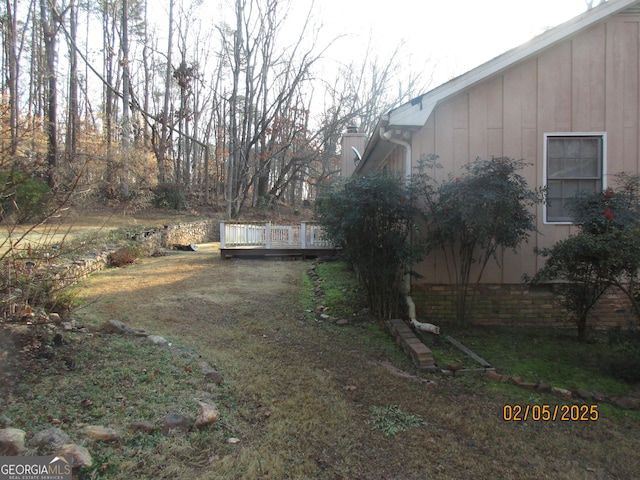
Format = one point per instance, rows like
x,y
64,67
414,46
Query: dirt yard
x,y
301,391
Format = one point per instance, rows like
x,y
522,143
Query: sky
x,y
458,35
445,37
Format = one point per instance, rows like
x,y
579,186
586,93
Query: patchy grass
x,y
298,394
550,355
553,356
113,381
344,296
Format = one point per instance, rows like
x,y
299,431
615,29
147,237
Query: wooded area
x,y
100,98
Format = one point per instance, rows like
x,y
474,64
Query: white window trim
x,y
544,164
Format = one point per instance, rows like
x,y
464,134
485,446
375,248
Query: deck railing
x,y
265,235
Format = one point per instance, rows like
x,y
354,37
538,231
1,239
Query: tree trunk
x,y
10,47
164,132
126,123
73,114
147,75
49,37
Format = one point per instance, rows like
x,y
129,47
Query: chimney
x,y
353,145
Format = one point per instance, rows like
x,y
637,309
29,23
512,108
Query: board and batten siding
x,y
588,83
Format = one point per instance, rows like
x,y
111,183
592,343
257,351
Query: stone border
x,y
627,402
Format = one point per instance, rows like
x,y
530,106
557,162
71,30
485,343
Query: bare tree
x,y
266,79
161,143
126,122
72,104
49,19
10,40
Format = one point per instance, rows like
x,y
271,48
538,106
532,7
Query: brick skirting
x,y
518,304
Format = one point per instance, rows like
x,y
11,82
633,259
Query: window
x,y
574,165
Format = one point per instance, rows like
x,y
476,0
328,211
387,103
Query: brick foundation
x,y
518,304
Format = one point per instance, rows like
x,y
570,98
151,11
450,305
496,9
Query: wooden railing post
x,y
223,238
268,235
303,235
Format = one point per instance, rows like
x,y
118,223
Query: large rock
x,y
157,340
98,433
628,403
174,421
561,392
12,441
584,394
114,326
78,454
207,414
49,440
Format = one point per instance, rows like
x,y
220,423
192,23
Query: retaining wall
x,y
203,231
152,241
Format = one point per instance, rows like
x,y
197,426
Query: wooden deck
x,y
259,239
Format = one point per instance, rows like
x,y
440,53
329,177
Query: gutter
x,y
426,327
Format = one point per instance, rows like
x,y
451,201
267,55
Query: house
x,y
567,102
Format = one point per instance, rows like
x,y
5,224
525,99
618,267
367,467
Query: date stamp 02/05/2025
x,y
550,413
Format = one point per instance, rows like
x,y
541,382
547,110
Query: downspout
x,y
411,306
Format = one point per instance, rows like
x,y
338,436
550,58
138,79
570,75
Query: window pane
x,y
554,168
570,188
554,189
554,148
590,148
572,148
555,211
572,168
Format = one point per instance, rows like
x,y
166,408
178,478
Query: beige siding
x,y
395,160
588,83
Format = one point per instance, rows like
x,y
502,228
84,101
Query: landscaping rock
x,y
454,367
114,326
628,403
210,387
543,387
98,433
80,455
342,321
157,340
55,318
492,375
12,441
208,413
561,392
600,397
584,394
174,421
49,440
515,380
528,385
